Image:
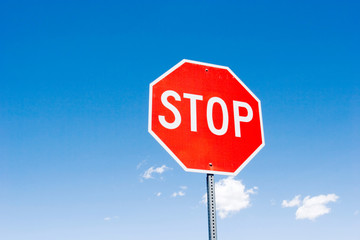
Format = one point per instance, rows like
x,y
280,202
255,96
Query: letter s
x,y
172,108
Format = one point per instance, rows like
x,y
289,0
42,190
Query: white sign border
x,y
166,147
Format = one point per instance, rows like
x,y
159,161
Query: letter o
x,y
209,116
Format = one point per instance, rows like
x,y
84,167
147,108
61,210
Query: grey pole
x,y
211,206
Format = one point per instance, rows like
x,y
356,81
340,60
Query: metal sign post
x,y
211,206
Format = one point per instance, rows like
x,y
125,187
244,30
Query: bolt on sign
x,y
206,118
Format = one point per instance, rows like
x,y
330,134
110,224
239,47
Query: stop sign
x,y
205,117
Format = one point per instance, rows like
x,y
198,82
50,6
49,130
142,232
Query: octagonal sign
x,y
205,117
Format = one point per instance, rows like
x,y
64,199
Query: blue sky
x,y
74,146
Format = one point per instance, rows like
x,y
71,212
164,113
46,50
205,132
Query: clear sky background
x,y
77,162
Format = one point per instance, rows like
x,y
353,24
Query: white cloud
x,y
315,207
140,164
292,203
158,194
110,218
159,170
231,196
178,194
311,207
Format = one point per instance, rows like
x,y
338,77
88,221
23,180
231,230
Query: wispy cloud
x,y
180,193
110,218
292,203
140,164
231,196
158,194
311,207
159,170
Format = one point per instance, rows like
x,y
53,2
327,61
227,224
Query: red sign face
x,y
205,117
